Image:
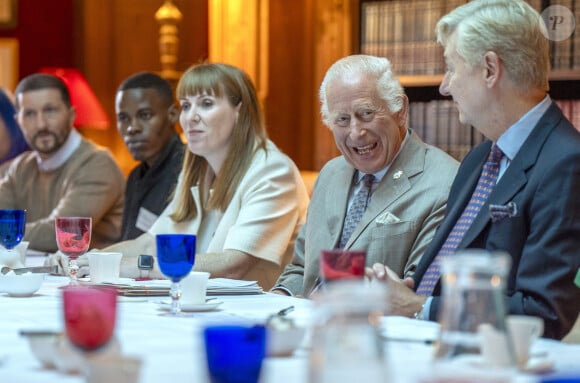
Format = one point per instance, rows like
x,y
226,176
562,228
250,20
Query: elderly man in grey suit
x,y
366,108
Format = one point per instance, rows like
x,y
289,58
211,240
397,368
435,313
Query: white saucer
x,y
535,365
539,365
207,306
114,282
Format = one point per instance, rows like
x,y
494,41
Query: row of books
x,y
571,109
437,123
565,50
404,32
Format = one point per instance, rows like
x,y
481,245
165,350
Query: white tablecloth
x,y
171,348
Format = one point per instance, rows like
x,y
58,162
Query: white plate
x,y
121,298
207,306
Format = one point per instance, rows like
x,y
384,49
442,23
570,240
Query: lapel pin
x,y
397,174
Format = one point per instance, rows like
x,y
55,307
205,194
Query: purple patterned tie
x,y
359,204
482,190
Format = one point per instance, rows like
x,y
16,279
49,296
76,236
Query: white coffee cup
x,y
193,288
524,330
495,347
14,258
22,247
104,266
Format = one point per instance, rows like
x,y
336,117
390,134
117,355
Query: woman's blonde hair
x,y
249,134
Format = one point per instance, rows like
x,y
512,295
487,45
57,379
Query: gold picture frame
x,y
8,63
8,14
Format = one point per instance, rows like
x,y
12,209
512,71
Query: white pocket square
x,y
387,218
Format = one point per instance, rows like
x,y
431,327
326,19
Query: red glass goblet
x,y
73,236
89,315
342,264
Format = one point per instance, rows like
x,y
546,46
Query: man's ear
x,y
173,113
404,112
493,68
72,116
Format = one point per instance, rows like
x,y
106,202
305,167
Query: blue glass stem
x,y
175,295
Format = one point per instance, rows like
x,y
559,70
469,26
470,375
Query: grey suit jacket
x,y
398,224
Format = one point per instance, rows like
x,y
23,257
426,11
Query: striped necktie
x,y
357,208
485,185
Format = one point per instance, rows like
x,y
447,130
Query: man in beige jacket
x,y
64,174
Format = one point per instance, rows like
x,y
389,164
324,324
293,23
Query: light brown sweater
x,y
89,184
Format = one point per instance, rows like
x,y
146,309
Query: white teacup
x,y
22,247
524,330
14,258
193,288
104,266
495,347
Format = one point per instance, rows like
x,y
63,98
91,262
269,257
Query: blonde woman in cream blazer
x,y
262,220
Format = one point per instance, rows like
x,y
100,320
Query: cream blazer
x,y
263,218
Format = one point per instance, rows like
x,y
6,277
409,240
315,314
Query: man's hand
x,y
403,300
83,262
380,272
57,259
61,260
280,292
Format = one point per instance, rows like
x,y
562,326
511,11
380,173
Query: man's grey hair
x,y
510,28
388,86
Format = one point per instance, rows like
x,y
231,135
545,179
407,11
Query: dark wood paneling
x,y
119,38
45,33
291,90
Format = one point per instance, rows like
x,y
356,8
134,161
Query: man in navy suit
x,y
497,73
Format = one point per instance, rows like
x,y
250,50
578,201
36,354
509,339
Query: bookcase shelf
x,y
413,81
420,80
565,75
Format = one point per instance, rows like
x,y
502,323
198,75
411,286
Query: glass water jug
x,y
346,344
473,309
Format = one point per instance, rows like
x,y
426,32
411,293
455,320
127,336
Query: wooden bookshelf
x,y
566,75
404,32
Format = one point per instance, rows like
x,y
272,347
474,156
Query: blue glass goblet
x,y
12,226
234,353
175,257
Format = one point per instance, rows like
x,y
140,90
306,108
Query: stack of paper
x,y
215,286
224,286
